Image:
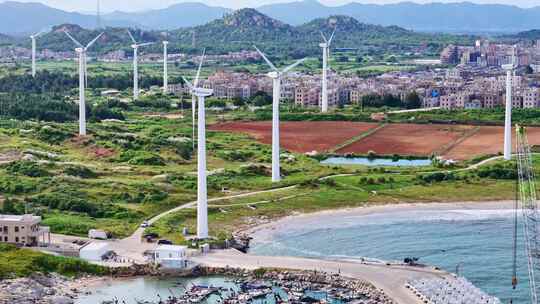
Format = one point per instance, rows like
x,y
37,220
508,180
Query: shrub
x,y
80,171
236,155
499,171
53,135
437,177
27,168
142,158
371,155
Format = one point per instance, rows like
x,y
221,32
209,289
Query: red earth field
x,y
408,139
302,136
459,142
488,140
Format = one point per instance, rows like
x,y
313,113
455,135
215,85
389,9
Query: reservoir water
x,y
477,243
364,161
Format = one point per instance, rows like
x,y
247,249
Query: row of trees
x,y
411,101
52,107
58,82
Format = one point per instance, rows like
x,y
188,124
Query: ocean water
x,y
479,241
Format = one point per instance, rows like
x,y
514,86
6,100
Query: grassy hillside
x,y
16,262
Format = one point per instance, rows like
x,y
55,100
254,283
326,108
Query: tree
x,y
412,101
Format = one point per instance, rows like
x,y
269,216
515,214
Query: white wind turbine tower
x,y
81,50
136,47
509,68
34,37
165,68
276,76
202,199
326,53
194,98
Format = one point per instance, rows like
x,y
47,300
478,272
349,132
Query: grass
x,y
143,166
15,262
337,193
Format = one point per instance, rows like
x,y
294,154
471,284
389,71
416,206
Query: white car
x,y
145,224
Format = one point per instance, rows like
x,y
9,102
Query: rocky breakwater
x,y
39,289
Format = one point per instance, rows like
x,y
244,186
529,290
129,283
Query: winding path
x,y
139,232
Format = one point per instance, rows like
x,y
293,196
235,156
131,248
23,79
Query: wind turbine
x,y
34,37
136,47
509,68
326,53
202,199
81,50
276,76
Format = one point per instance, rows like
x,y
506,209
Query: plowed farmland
x,y
459,142
408,139
301,137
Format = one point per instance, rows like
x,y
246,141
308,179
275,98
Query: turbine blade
x,y
85,70
190,86
94,41
131,36
323,37
292,66
74,40
332,37
266,59
145,44
199,69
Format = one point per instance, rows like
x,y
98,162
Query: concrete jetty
x,y
391,279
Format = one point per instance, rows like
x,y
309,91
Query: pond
x,y
151,290
365,161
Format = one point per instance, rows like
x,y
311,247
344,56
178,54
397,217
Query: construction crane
x,y
526,201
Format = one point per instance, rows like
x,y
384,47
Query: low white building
x,y
94,251
171,256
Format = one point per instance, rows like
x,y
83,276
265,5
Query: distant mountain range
x,y
23,18
241,29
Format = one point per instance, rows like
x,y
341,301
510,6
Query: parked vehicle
x,y
97,234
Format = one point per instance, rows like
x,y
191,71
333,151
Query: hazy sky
x,y
137,5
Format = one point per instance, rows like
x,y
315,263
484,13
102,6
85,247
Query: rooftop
x,y
170,248
19,218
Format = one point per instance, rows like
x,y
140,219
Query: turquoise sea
x,y
476,242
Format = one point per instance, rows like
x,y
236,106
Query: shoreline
x,y
265,232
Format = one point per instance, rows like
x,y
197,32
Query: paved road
x,y
391,279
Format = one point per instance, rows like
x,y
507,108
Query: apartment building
x,y
23,230
531,98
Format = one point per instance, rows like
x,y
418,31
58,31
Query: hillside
x,y
243,28
179,15
527,35
240,28
18,18
462,17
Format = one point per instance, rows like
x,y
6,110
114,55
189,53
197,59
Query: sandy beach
x,y
339,218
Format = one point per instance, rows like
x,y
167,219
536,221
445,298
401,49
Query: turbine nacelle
x,y
324,45
202,92
274,74
134,46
